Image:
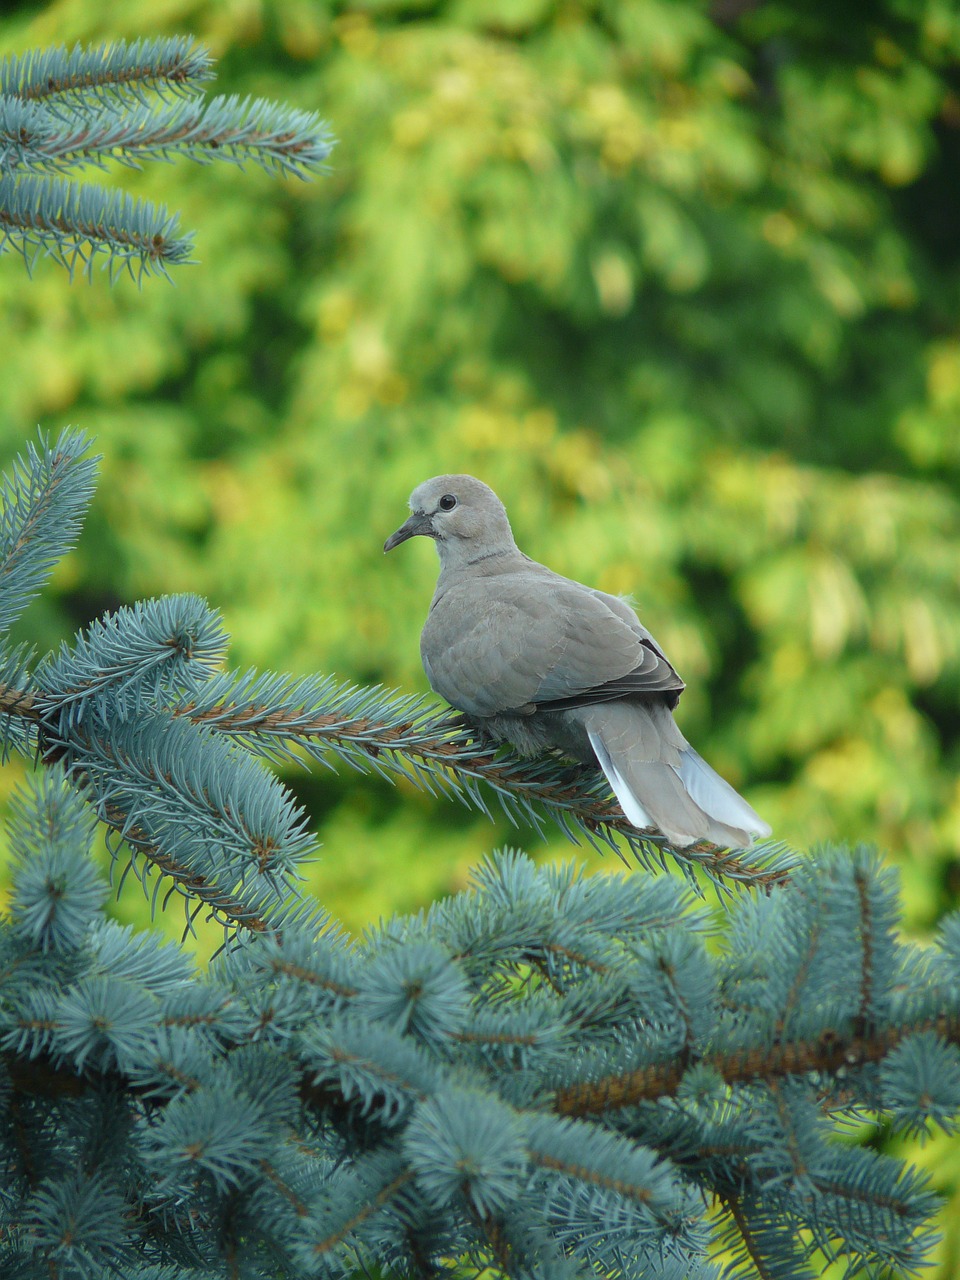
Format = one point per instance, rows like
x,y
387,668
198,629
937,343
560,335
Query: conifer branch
x,y
124,662
800,979
60,111
35,137
827,1056
166,65
434,751
224,907
22,703
43,499
234,852
733,1203
299,1206
866,943
376,730
75,224
152,666
415,1128
372,1206
832,1051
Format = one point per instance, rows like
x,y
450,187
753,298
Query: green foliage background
x,y
681,281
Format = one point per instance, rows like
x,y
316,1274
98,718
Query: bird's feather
x,y
499,641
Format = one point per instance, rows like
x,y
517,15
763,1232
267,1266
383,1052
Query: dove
x,y
542,662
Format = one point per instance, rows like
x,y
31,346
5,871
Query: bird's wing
x,y
498,644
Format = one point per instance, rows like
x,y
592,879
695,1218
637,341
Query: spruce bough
x,y
128,102
548,1075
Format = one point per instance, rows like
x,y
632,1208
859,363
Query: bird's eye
x,y
447,502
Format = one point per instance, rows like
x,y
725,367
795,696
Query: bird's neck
x,y
466,558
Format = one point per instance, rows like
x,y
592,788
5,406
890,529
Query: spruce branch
x,y
56,894
414,1142
398,736
830,1053
224,907
44,496
173,65
75,224
18,712
124,661
126,103
369,1206
207,818
750,1235
35,137
219,827
376,730
433,751
17,701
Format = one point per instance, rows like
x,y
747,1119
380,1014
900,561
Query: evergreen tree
x,y
549,1075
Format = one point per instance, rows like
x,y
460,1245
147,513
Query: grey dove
x,y
541,661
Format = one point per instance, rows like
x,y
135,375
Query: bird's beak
x,y
418,523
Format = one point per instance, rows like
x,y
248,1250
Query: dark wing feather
x,y
653,675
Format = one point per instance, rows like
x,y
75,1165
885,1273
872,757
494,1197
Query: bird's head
x,y
465,518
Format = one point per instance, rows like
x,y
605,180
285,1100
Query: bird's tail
x,y
660,780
